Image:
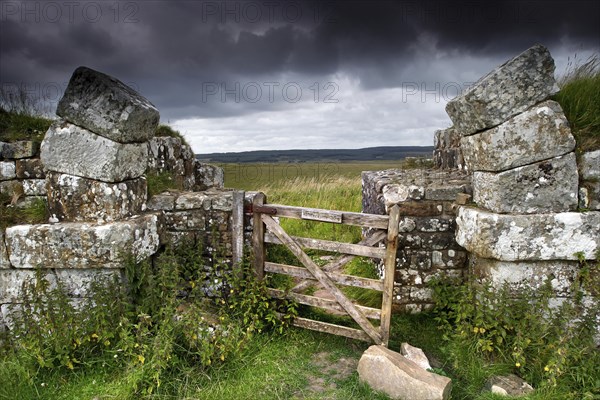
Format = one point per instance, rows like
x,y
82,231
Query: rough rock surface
x,y
4,263
108,107
34,187
508,90
528,237
81,245
508,385
589,167
525,275
545,186
415,355
76,199
398,377
30,168
8,170
539,133
19,149
208,176
170,154
72,150
75,282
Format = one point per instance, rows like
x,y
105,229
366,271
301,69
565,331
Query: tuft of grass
x,y
166,130
21,126
161,182
579,98
35,212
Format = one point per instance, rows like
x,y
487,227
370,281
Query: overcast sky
x,y
252,75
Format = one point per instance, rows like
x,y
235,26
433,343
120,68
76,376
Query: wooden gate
x,y
267,230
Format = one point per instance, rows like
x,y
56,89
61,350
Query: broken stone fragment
x,y
540,133
72,150
508,385
415,354
7,170
400,378
508,90
75,199
106,106
545,186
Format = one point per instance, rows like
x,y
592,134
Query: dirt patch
x,y
327,370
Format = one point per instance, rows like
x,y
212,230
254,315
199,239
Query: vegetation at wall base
x,y
36,212
166,131
579,98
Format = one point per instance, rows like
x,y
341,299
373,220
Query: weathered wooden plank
x,y
332,329
348,218
323,216
237,229
341,279
326,304
334,247
343,260
390,270
258,237
323,278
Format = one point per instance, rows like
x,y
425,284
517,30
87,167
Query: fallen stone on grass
x,y
508,385
400,378
416,355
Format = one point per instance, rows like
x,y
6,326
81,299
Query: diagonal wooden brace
x,y
314,269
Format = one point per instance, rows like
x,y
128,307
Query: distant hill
x,y
383,153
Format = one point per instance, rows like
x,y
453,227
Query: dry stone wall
x,y
91,172
427,247
535,203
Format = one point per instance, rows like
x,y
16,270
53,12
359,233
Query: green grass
x,y
166,130
22,126
579,97
34,213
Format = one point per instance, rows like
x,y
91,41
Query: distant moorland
x,y
367,154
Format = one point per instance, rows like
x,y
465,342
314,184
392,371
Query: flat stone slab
x,y
72,150
80,245
106,106
506,91
540,133
526,275
528,237
75,199
34,187
400,378
546,186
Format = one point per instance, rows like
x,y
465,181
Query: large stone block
x,y
76,283
400,378
506,91
76,199
528,237
8,170
537,134
106,106
72,150
525,275
545,186
81,245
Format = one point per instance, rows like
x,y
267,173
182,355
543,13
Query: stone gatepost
x,y
95,158
525,227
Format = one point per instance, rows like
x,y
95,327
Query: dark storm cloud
x,y
171,50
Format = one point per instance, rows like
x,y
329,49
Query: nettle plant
x,y
182,308
544,339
